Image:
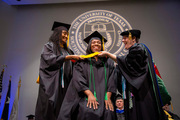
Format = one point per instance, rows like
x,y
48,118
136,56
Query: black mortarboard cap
x,y
58,24
133,32
30,116
94,34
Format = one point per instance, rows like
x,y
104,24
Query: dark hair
x,y
137,40
55,38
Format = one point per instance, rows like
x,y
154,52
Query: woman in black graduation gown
x,y
139,78
54,74
89,96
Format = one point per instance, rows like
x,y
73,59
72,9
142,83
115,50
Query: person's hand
x,y
109,105
166,107
92,102
77,57
103,54
108,102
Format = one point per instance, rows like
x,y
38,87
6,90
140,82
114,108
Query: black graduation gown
x,y
51,93
74,104
146,99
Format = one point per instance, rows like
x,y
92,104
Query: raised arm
x,y
73,57
107,54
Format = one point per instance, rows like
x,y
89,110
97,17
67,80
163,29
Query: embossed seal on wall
x,y
108,23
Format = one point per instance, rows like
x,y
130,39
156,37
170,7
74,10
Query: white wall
x,y
25,29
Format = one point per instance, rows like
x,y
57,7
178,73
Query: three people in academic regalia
x,y
54,73
90,93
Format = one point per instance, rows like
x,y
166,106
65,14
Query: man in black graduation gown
x,y
89,96
54,74
138,79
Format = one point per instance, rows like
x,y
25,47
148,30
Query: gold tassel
x,y
171,105
130,36
37,81
68,40
103,43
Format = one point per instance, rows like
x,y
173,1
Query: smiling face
x,y
128,42
64,36
95,45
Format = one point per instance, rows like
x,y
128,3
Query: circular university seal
x,y
107,23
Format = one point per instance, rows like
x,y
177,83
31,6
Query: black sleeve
x,y
49,59
111,87
134,65
79,80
